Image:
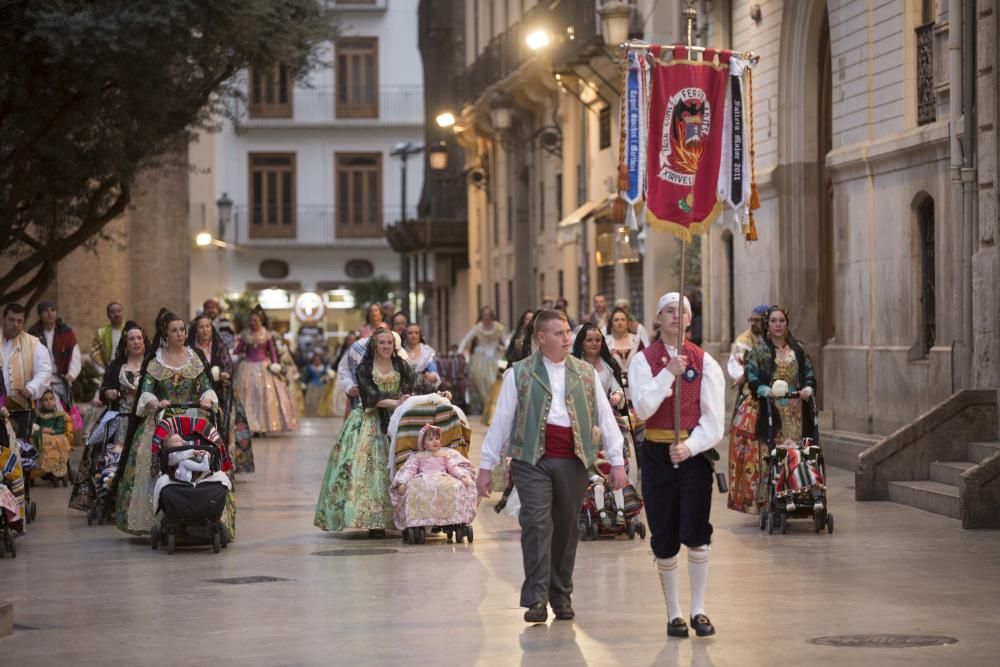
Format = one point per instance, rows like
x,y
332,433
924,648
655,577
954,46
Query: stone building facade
x,y
878,222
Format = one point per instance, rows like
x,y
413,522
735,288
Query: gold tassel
x,y
754,196
618,209
752,231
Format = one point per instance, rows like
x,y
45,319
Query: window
x,y
561,285
272,195
270,92
928,288
541,289
359,195
605,127
510,217
559,196
510,302
496,299
357,78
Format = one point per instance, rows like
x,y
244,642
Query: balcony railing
x,y
926,102
398,106
574,27
311,226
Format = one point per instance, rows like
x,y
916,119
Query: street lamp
x,y
438,155
615,20
501,105
445,119
538,39
225,206
203,239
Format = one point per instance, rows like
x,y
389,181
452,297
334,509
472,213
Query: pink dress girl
x,y
436,486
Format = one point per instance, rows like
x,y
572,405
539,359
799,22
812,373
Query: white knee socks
x,y
667,568
698,578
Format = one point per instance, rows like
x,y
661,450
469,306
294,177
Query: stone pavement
x,y
93,596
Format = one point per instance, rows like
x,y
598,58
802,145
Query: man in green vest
x,y
554,415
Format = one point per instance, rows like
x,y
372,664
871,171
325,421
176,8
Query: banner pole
x,y
690,13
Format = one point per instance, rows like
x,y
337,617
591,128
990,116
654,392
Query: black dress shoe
x,y
702,626
536,613
677,628
564,612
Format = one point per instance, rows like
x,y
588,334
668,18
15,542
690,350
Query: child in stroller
x,y
796,477
610,514
435,490
21,458
52,436
191,506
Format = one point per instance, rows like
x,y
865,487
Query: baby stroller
x,y
796,480
600,515
189,508
404,428
103,462
22,422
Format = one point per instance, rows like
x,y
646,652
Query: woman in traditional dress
x,y
621,341
118,392
779,357
290,371
172,373
260,381
235,428
421,356
355,491
314,375
374,318
483,345
521,335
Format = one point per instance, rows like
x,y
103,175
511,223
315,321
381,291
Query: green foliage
x,y
239,307
92,92
692,264
376,290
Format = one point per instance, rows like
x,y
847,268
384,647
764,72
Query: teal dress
x,y
355,492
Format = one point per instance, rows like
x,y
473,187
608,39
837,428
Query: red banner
x,y
686,118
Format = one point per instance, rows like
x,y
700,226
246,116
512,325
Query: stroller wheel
x,y
763,518
216,541
468,533
829,523
630,530
224,536
584,533
784,524
171,543
595,531
154,537
771,523
33,510
459,533
407,536
818,522
421,535
641,529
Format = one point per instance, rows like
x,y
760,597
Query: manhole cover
x,y
18,626
883,641
279,508
355,552
246,580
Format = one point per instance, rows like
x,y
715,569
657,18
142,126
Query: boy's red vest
x,y
663,418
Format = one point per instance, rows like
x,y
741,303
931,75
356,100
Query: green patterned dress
x,y
187,384
355,492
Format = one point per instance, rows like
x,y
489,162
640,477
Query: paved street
x,y
92,596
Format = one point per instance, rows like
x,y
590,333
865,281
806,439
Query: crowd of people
x,y
556,395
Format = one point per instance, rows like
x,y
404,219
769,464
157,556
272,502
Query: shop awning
x,y
588,210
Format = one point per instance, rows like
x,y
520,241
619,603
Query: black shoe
x,y
702,626
677,628
536,613
564,612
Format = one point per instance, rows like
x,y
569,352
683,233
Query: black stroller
x,y
796,479
103,461
190,509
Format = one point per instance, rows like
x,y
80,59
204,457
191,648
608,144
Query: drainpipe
x,y
957,201
969,178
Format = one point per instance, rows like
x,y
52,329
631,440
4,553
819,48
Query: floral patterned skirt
x,y
268,403
747,470
355,491
435,499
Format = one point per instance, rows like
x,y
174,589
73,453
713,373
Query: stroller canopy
x,y
191,428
